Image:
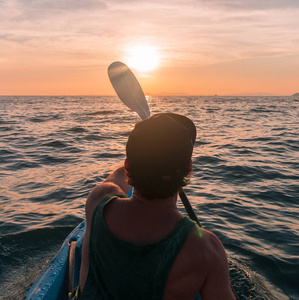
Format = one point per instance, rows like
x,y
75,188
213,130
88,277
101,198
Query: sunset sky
x,y
203,47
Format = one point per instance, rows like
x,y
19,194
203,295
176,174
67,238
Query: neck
x,y
160,203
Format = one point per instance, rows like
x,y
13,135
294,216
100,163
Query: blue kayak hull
x,y
51,284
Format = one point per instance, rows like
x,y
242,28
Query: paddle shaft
x,y
188,207
131,94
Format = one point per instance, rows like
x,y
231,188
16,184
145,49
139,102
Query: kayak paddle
x,y
131,94
128,89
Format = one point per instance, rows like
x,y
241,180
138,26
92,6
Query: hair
x,y
152,187
159,150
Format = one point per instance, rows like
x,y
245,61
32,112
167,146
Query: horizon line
x,y
155,95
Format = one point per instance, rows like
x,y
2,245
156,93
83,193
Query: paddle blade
x,y
128,89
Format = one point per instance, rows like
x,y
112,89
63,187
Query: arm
x,y
115,183
217,284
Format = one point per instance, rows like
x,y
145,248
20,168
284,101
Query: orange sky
x,y
51,47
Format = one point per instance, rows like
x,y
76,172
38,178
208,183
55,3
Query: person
x,y
143,247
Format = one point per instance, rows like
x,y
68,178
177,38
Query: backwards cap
x,y
161,145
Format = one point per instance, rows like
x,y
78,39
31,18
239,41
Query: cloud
x,y
187,32
251,4
36,23
17,13
65,5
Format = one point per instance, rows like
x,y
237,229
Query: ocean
x,y
244,186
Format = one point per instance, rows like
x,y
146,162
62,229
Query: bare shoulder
x,y
213,257
207,246
204,237
213,245
98,193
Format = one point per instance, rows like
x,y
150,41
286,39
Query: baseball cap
x,y
161,145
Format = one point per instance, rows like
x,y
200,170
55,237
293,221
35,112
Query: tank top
x,y
119,269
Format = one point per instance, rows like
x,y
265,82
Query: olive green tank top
x,y
120,269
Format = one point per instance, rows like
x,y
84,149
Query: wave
x,y
24,256
56,144
248,283
102,113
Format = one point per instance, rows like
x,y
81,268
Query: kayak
x,y
54,283
61,275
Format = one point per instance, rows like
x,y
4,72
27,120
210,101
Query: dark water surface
x,y
245,184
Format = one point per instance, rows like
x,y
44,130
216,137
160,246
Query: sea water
x,y
245,180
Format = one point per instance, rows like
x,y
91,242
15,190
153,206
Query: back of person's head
x,y
159,151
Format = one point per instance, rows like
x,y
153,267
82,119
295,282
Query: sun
x,y
143,58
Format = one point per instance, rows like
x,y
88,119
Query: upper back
x,y
142,226
201,264
125,269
